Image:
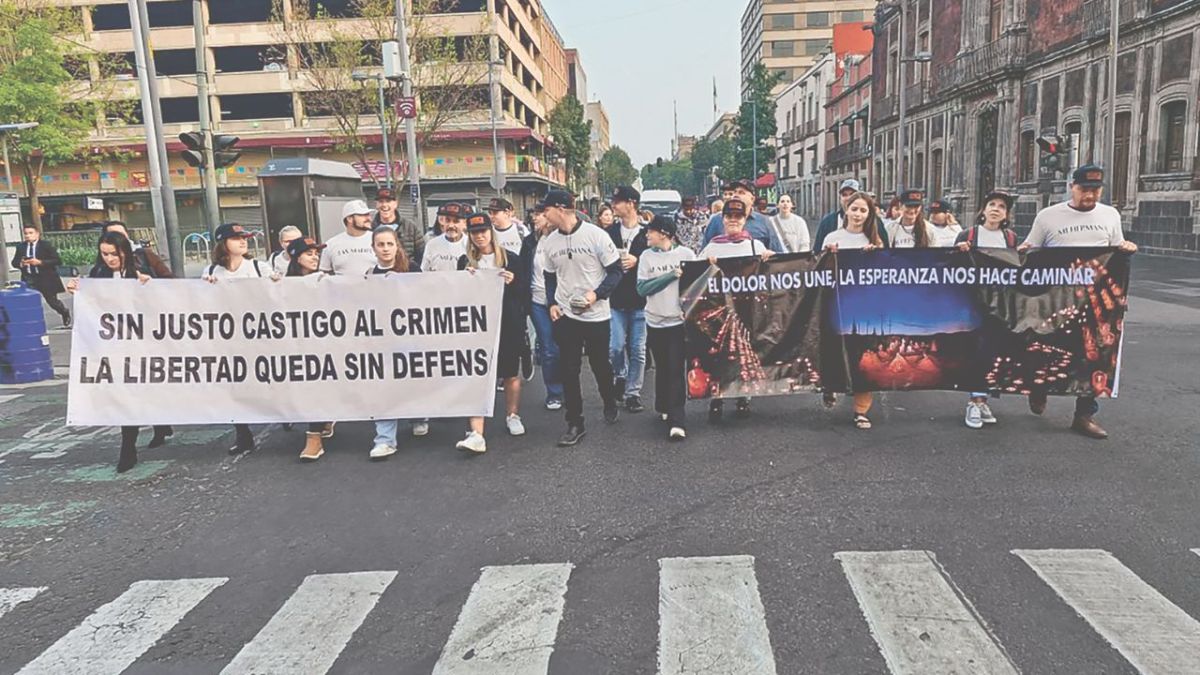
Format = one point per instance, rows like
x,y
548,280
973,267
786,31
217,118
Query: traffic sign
x,y
498,182
406,107
415,191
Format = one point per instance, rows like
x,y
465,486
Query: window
x,y
1172,124
995,19
256,106
1029,99
817,19
1050,103
249,59
1075,84
169,14
110,17
781,21
855,16
814,47
1176,59
1074,138
1028,156
919,165
782,48
935,173
180,110
175,61
242,11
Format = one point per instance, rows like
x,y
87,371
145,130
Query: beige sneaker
x,y
313,448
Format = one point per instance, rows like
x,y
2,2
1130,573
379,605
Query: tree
x,y
616,169
573,136
676,175
36,86
449,80
756,119
708,154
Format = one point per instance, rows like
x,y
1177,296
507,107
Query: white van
x,y
662,202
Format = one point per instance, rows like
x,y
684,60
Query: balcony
x,y
1003,55
916,95
886,106
847,152
1097,16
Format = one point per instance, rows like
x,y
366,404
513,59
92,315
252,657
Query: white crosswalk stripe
x,y
921,621
509,623
115,635
312,628
711,618
1149,630
11,597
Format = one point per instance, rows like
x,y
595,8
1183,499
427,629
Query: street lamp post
x,y
385,137
902,85
498,179
410,124
1110,130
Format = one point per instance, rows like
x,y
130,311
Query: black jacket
x,y
43,278
411,236
516,295
626,295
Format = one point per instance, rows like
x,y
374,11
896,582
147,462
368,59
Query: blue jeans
x,y
547,350
627,349
385,432
1086,405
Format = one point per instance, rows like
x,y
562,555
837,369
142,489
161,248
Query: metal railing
x,y
1006,53
847,152
1097,15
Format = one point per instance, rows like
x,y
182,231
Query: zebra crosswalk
x,y
711,618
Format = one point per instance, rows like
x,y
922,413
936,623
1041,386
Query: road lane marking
x,y
314,625
711,618
1150,631
11,597
509,623
918,617
117,634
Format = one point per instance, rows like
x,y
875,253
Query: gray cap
x,y
851,184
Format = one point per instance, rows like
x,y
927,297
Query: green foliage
x,y
671,176
759,106
572,134
707,154
616,169
77,256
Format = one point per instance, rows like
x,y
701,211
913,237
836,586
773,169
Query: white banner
x,y
294,350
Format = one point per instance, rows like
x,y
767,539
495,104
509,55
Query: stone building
x,y
848,122
1003,72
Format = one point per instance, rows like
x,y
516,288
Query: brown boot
x,y
1086,426
313,449
1037,402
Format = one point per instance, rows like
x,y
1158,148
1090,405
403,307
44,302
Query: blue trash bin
x,y
24,345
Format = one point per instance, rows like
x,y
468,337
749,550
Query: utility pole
x,y
901,133
208,174
754,128
498,179
1110,129
410,131
166,229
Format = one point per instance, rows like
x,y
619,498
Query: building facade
x,y
1005,72
601,141
260,92
848,120
800,141
789,36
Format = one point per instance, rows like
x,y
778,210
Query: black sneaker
x,y
611,411
715,410
634,404
244,443
66,319
619,387
743,409
572,437
160,436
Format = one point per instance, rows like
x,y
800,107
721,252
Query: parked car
x,y
662,202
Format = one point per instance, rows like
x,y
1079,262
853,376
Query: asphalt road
x,y
581,545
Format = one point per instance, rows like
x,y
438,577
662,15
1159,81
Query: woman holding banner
x,y
305,256
230,261
862,232
659,270
115,260
390,258
484,254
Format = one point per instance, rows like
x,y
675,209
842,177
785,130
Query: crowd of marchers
x,y
604,286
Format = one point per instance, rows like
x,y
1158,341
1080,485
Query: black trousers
x,y
670,380
55,304
129,435
573,338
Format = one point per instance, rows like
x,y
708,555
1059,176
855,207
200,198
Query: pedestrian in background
x,y
627,332
912,230
757,225
791,229
659,270
836,219
412,239
690,222
443,251
533,256
148,262
38,261
605,216
509,232
116,261
304,256
484,254
279,260
943,226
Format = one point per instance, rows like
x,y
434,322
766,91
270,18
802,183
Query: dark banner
x,y
907,319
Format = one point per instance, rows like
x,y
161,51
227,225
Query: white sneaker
x,y
974,417
662,417
420,429
382,451
554,404
678,434
515,427
473,443
986,414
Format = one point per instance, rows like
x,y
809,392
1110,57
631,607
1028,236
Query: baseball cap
x,y
355,207
452,210
625,193
734,208
560,198
231,230
688,202
499,204
761,202
1089,176
940,206
850,184
477,222
912,197
298,246
1008,197
742,184
386,194
663,224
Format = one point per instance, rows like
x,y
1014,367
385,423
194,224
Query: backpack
x,y
213,267
1010,237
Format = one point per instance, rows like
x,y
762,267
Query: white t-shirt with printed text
x,y
249,269
662,308
1062,225
344,254
537,285
579,260
900,235
441,254
846,239
943,237
741,249
511,239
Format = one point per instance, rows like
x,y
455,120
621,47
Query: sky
x,y
640,55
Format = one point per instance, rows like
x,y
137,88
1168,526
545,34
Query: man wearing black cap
x,y
583,267
944,229
443,251
1082,221
411,237
757,225
510,233
627,330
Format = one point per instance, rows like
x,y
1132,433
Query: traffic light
x,y
194,155
1054,154
223,153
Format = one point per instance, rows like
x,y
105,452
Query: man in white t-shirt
x,y
443,251
350,252
508,231
279,260
583,267
943,228
1083,221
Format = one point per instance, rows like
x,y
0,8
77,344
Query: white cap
x,y
355,207
851,184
